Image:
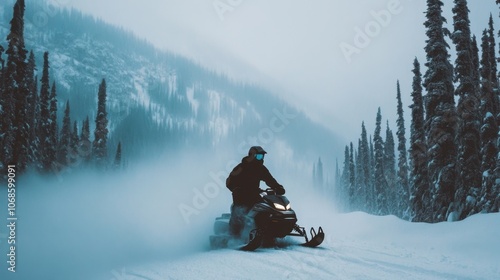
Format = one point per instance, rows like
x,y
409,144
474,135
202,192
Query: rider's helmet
x,y
257,151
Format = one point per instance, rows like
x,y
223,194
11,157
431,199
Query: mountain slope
x,y
167,100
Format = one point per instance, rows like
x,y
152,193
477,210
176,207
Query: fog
x,y
294,47
89,225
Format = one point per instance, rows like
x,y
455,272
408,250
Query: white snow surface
x,y
128,226
357,246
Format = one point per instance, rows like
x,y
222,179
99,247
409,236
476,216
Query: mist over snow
x,y
80,224
128,225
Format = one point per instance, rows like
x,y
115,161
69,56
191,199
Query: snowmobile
x,y
269,219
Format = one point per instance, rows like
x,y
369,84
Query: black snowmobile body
x,y
271,218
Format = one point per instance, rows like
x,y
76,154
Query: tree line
x,y
30,136
451,169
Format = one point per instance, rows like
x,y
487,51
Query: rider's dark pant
x,y
237,221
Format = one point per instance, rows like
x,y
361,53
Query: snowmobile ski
x,y
316,239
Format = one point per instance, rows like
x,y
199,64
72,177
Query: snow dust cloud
x,y
82,224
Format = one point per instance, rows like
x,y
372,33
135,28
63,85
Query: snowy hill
x,y
166,100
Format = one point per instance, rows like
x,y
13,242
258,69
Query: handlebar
x,y
268,191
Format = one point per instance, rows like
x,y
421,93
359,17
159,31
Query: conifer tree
x,y
338,183
2,61
487,94
492,55
364,162
43,128
402,184
380,181
359,189
390,170
99,146
319,174
420,189
468,136
65,138
31,109
489,130
345,180
370,193
118,156
475,66
441,117
315,182
53,131
14,130
84,145
73,146
3,100
352,179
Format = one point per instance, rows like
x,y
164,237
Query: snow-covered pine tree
x,y
99,146
492,55
32,112
15,140
352,180
489,130
358,194
84,145
441,117
344,192
364,150
53,131
402,185
338,183
475,66
390,170
118,157
420,189
43,129
65,138
3,100
468,136
380,185
314,175
317,174
73,145
370,193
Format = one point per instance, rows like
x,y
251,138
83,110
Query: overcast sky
x,y
336,60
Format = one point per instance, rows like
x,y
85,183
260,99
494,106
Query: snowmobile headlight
x,y
279,206
288,207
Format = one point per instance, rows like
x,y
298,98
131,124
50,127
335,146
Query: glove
x,y
280,190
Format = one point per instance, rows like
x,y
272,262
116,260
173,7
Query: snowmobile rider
x,y
244,182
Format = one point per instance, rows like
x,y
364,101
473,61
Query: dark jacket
x,y
244,181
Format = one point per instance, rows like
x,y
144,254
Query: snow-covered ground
x,y
358,246
128,226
